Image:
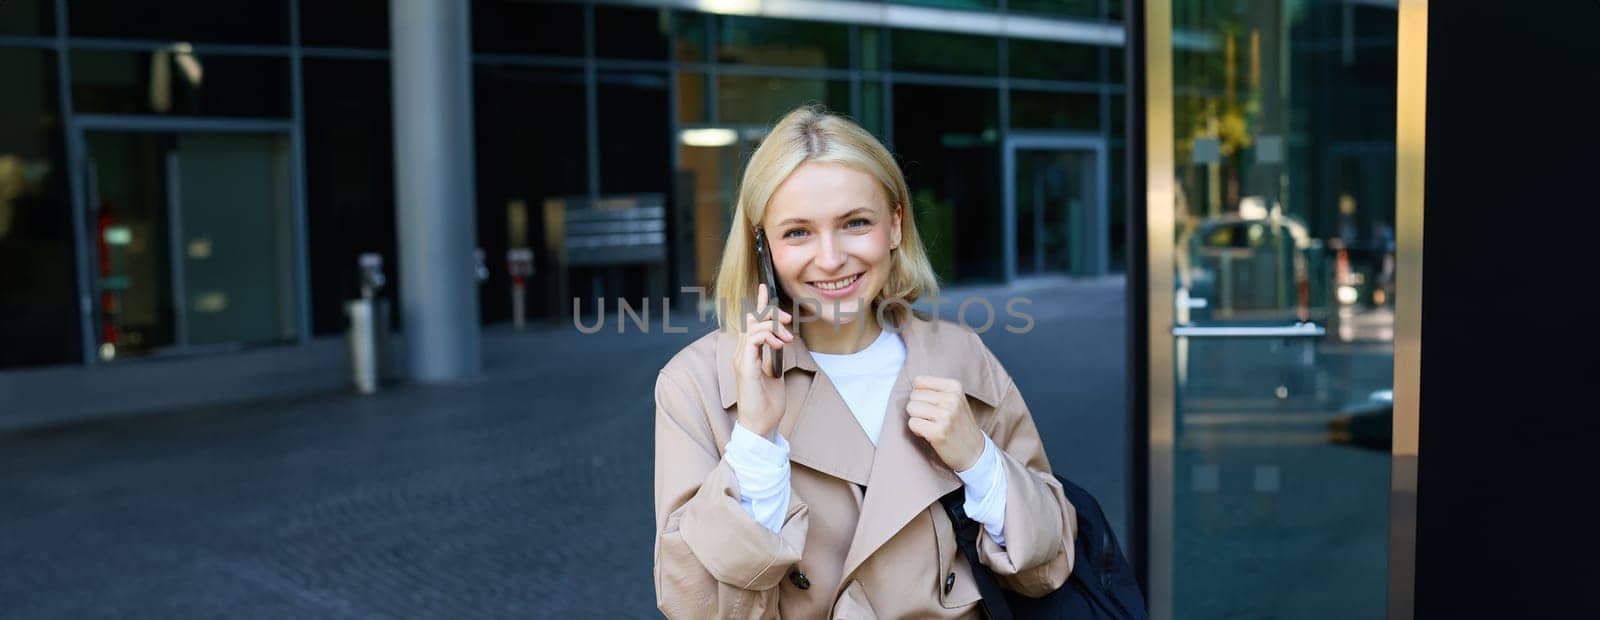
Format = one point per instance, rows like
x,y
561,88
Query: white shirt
x,y
865,380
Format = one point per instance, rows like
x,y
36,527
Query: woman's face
x,y
831,229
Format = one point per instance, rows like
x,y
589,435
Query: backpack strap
x,y
994,600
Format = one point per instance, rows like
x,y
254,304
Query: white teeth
x,y
837,284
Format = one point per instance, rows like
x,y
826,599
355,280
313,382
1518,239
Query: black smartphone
x,y
774,360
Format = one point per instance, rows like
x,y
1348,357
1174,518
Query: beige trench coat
x,y
864,525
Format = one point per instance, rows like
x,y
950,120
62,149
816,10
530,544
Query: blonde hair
x,y
813,134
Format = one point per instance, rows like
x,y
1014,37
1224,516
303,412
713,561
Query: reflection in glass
x,y
762,100
871,113
1055,204
346,23
179,81
949,139
196,241
871,49
181,20
39,320
953,4
622,32
939,52
1065,8
692,98
1117,164
1055,110
781,42
27,17
138,311
1048,60
1284,139
519,26
635,134
692,31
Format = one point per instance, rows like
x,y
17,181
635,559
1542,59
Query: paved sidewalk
x,y
526,493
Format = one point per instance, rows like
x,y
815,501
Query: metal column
x,y
436,202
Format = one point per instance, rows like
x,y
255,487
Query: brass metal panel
x,y
1411,107
1411,101
1160,232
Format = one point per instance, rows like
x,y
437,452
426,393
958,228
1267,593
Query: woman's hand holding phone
x,y
761,397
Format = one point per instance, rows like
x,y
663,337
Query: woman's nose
x,y
831,255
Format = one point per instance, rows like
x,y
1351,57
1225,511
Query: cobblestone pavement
x,y
526,493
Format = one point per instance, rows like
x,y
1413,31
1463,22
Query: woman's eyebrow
x,y
842,216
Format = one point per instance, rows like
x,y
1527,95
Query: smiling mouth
x,y
836,285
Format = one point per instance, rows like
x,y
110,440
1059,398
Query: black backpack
x,y
1101,585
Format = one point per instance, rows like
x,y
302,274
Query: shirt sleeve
x,y
986,491
762,470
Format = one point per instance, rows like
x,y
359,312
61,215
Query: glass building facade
x,y
185,177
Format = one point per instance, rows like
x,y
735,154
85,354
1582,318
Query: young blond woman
x,y
815,493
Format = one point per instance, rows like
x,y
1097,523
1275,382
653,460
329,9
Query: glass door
x,y
1281,326
1057,219
194,234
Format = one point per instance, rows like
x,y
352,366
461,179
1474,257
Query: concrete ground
x,y
526,493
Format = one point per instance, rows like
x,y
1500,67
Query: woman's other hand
x,y
940,415
761,396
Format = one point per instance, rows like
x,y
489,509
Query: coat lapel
x,y
823,434
907,475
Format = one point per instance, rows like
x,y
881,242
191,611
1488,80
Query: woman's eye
x,y
863,222
794,233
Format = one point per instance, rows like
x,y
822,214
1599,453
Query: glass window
x,y
692,98
39,307
952,4
939,52
635,133
871,113
1117,183
780,42
531,146
1283,153
27,17
871,49
692,32
349,181
631,33
1119,116
179,83
949,139
1116,65
1046,60
346,23
635,168
1068,8
521,26
258,21
1114,10
197,249
761,100
1052,110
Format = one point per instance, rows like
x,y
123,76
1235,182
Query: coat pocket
x,y
956,588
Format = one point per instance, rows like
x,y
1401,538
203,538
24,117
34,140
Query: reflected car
x,y
1239,268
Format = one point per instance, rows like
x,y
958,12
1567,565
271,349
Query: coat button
x,y
800,580
949,582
